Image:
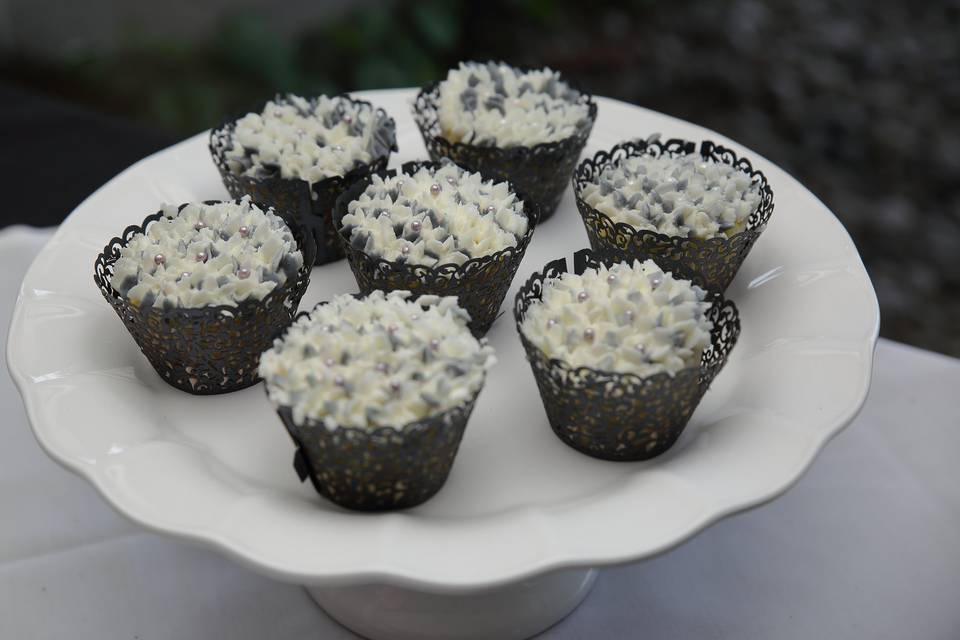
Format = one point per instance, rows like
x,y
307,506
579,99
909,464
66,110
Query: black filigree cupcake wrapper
x,y
296,200
480,283
378,469
621,416
205,350
711,263
541,172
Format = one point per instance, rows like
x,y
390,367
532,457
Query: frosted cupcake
x,y
524,125
697,213
204,288
299,154
376,393
437,229
622,352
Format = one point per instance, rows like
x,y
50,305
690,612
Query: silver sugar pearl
x,y
184,275
490,210
582,296
159,259
200,226
244,232
415,226
656,279
243,273
435,189
202,256
329,362
399,184
640,348
551,323
629,314
612,278
434,344
382,367
347,118
588,334
405,249
337,147
414,317
451,181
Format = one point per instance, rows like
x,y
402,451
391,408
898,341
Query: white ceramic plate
x,y
518,502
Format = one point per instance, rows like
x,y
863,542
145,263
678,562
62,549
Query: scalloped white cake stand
x,y
509,546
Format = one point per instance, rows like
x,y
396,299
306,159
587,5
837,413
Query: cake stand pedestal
x,y
511,612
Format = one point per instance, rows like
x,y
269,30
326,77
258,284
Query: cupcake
x,y
622,351
376,392
299,154
204,288
527,126
437,229
696,213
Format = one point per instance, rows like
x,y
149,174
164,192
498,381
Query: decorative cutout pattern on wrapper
x,y
711,263
306,205
621,416
205,350
370,466
379,469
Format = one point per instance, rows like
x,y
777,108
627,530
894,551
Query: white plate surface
x,y
518,502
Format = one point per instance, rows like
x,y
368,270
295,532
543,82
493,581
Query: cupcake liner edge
x,y
165,336
446,279
620,415
710,262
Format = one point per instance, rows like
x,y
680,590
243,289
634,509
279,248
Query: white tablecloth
x,y
866,545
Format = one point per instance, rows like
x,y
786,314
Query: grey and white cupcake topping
x,y
384,360
432,217
496,105
627,319
310,139
207,254
684,196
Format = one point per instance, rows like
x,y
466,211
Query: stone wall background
x,y
859,100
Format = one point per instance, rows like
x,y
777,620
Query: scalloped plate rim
x,y
382,571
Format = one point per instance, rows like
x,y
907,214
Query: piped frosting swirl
x,y
384,360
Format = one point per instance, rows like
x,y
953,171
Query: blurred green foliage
x,y
184,87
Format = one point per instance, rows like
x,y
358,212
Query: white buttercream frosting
x,y
385,360
496,105
309,138
432,217
207,254
630,318
685,196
